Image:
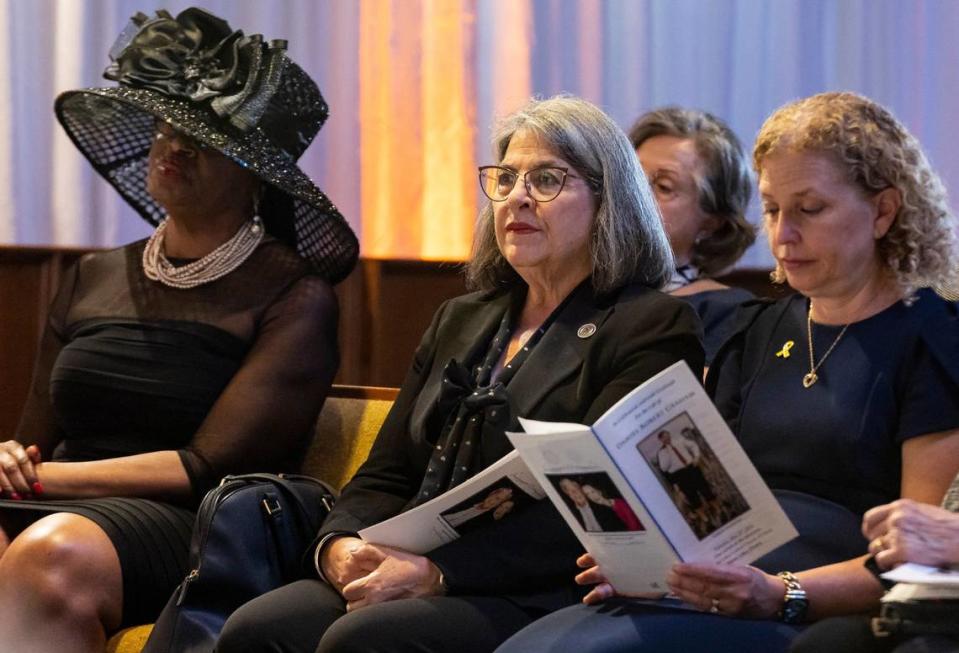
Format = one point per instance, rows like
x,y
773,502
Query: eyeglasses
x,y
667,185
543,184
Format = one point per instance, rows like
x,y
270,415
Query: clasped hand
x,y
910,531
737,590
366,573
18,475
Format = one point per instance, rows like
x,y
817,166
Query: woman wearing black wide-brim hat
x,y
204,350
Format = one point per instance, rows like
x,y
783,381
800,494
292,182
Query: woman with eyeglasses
x,y
565,320
701,180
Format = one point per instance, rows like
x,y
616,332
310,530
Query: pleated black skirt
x,y
152,540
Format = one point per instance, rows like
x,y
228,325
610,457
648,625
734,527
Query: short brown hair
x,y
724,190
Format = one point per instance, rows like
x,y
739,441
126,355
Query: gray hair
x,y
628,243
725,188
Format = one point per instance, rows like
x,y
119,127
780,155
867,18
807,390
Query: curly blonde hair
x,y
877,152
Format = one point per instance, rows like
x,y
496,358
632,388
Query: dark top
x,y
231,374
639,332
892,377
717,310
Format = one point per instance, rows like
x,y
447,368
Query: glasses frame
x,y
525,176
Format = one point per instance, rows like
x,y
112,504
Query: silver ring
x,y
715,607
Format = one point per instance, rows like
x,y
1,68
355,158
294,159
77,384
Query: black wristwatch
x,y
795,603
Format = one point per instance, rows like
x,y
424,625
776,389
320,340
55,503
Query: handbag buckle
x,y
878,627
272,506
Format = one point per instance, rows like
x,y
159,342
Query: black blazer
x,y
639,332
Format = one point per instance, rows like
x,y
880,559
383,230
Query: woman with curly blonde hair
x,y
844,395
875,152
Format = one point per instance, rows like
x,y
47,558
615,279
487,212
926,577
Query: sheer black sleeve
x,y
37,424
264,419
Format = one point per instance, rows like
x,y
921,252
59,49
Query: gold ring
x,y
877,544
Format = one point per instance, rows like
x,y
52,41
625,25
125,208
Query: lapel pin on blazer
x,y
586,330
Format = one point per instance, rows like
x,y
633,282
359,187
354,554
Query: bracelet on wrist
x,y
795,602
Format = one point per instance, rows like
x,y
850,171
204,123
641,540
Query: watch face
x,y
794,610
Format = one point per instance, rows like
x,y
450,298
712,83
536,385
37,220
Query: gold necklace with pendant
x,y
809,379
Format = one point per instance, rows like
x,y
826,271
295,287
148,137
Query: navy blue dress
x,y
891,377
717,310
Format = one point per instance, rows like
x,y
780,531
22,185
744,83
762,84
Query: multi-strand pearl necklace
x,y
218,263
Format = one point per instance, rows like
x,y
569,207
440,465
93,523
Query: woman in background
x,y
700,177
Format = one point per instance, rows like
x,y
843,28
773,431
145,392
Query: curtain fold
x,y
414,85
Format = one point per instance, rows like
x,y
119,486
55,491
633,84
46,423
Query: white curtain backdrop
x,y
739,59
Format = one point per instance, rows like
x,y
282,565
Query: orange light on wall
x,y
389,130
416,134
449,195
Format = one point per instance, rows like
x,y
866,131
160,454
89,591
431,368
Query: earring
x,y
257,222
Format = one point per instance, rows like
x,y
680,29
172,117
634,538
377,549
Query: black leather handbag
x,y
916,618
250,537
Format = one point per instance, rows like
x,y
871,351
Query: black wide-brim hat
x,y
229,92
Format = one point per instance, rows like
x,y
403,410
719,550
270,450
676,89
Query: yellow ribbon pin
x,y
784,352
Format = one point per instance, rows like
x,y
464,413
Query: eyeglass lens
x,y
543,184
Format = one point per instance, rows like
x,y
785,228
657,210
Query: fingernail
x,y
37,488
15,496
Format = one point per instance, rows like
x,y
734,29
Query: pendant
x,y
809,379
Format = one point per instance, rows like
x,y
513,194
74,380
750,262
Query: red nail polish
x,y
15,496
37,488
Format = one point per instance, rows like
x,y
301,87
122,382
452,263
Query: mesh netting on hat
x,y
114,127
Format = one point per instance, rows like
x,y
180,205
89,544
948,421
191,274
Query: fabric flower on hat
x,y
198,57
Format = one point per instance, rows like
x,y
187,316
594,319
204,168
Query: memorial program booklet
x,y
500,491
658,479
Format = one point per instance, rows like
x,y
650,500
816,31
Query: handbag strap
x,y
287,484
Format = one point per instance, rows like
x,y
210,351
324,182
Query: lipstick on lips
x,y
169,168
521,228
